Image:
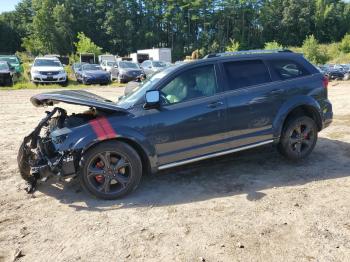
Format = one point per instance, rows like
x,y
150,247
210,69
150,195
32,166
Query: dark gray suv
x,y
208,108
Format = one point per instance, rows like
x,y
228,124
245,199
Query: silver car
x,y
151,67
125,71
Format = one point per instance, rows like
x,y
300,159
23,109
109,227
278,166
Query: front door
x,y
191,120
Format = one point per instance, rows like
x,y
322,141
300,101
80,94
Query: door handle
x,y
216,104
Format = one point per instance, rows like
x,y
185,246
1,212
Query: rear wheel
x,y
298,138
111,170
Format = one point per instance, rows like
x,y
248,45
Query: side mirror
x,y
152,99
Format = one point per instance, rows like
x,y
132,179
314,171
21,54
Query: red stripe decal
x,y
107,127
100,133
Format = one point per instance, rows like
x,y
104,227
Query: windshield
x,y
11,60
158,64
77,66
47,62
91,67
140,91
3,66
125,64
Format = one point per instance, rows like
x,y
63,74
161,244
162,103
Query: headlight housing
x,y
35,71
62,72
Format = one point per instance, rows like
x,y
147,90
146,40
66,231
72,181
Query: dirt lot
x,y
252,206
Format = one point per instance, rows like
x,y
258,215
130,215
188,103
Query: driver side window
x,y
192,84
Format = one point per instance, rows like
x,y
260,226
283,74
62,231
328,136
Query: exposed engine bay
x,y
40,155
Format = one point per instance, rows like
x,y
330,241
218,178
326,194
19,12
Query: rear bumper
x,y
327,114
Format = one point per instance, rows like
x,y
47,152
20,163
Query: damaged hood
x,y
75,97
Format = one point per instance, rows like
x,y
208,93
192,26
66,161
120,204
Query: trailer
x,y
139,57
157,54
106,57
87,58
124,59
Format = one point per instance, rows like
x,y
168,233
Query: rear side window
x,y
287,69
246,73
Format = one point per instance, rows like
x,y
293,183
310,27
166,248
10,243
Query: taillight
x,y
325,82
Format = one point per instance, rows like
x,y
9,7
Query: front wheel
x,y
299,137
111,170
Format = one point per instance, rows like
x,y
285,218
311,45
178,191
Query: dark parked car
x,y
186,113
92,74
335,74
126,71
7,74
77,67
332,72
14,61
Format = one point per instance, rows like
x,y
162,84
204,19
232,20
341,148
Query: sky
x,y
8,5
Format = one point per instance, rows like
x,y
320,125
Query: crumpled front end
x,y
44,153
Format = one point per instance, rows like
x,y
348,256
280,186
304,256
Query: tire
x,y
106,181
299,137
65,84
23,163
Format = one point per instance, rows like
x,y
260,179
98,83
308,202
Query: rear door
x,y
253,100
192,119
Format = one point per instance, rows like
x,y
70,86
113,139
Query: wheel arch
x,y
303,105
147,163
305,110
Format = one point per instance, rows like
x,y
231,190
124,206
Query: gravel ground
x,y
251,206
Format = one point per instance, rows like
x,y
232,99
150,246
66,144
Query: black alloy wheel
x,y
111,170
299,138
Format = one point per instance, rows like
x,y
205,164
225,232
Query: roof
x,y
247,52
47,58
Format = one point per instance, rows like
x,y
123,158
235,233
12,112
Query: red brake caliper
x,y
99,178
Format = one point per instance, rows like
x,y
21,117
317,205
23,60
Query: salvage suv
x,y
187,113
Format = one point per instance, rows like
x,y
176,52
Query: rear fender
x,y
289,106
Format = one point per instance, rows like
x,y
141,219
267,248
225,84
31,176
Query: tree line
x,y
124,26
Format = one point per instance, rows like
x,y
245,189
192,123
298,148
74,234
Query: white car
x,y
108,65
48,70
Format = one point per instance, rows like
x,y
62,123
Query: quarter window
x,y
287,69
194,83
246,73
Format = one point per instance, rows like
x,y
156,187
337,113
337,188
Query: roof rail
x,y
248,52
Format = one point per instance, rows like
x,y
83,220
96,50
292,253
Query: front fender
x,y
134,137
289,106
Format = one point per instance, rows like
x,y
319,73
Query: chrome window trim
x,y
192,160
